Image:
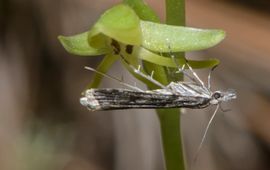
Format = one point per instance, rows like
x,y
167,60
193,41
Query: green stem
x,y
171,138
170,119
103,67
175,12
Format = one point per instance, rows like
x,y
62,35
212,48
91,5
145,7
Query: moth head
x,y
222,96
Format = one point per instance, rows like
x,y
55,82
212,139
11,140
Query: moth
x,y
192,94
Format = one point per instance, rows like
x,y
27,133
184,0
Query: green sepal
x,y
78,45
168,38
151,57
120,23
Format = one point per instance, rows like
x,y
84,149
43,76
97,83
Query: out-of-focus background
x,y
43,126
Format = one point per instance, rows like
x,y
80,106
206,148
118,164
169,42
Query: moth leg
x,y
181,69
209,77
152,74
140,73
196,76
113,78
150,78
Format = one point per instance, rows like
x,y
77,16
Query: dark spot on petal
x,y
129,49
116,46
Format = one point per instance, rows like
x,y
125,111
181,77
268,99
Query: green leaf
x,y
151,57
167,38
78,45
120,23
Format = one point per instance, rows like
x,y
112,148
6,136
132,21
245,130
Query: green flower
x,y
120,34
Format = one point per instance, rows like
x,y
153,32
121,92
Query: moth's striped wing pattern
x,y
112,99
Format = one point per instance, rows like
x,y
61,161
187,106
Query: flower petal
x,y
78,45
151,57
120,23
168,38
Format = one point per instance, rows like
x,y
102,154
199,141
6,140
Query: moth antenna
x,y
113,78
205,133
209,77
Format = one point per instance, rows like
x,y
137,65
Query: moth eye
x,y
217,95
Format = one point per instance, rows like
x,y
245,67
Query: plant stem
x,y
170,119
171,138
175,12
